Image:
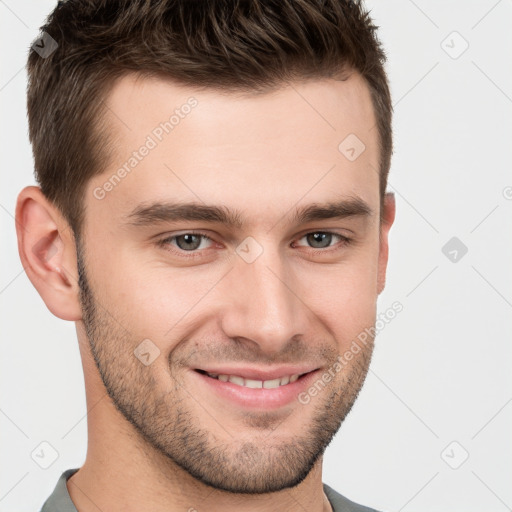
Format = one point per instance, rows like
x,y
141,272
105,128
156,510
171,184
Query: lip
x,y
249,398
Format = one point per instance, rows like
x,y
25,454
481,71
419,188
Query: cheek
x,y
343,297
133,297
151,299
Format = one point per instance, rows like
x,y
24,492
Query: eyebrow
x,y
159,212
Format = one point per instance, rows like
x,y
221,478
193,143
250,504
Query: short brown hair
x,y
223,44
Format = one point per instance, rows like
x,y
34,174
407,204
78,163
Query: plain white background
x,y
431,428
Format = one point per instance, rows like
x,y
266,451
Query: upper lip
x,y
259,374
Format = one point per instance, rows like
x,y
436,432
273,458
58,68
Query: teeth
x,y
271,384
253,383
239,381
256,384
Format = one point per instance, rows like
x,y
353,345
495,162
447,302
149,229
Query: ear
x,y
388,217
47,250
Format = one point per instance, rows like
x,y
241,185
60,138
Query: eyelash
x,y
165,243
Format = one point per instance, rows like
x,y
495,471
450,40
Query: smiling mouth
x,y
255,384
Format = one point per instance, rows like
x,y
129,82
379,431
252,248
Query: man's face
x,y
270,296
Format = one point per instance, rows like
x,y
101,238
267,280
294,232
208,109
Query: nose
x,y
263,303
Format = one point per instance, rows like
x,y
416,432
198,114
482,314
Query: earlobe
x,y
388,217
47,252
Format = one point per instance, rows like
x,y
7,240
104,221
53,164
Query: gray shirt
x,y
60,501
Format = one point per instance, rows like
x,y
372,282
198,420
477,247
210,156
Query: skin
x,y
163,438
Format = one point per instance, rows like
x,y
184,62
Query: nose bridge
x,y
264,306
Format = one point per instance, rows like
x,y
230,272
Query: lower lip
x,y
260,398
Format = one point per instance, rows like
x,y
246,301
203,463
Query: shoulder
x,y
341,504
59,500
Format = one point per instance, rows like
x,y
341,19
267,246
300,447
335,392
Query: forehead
x,y
313,107
304,142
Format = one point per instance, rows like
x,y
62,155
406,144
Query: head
x,y
212,202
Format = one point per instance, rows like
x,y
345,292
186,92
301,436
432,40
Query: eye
x,y
323,239
186,242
